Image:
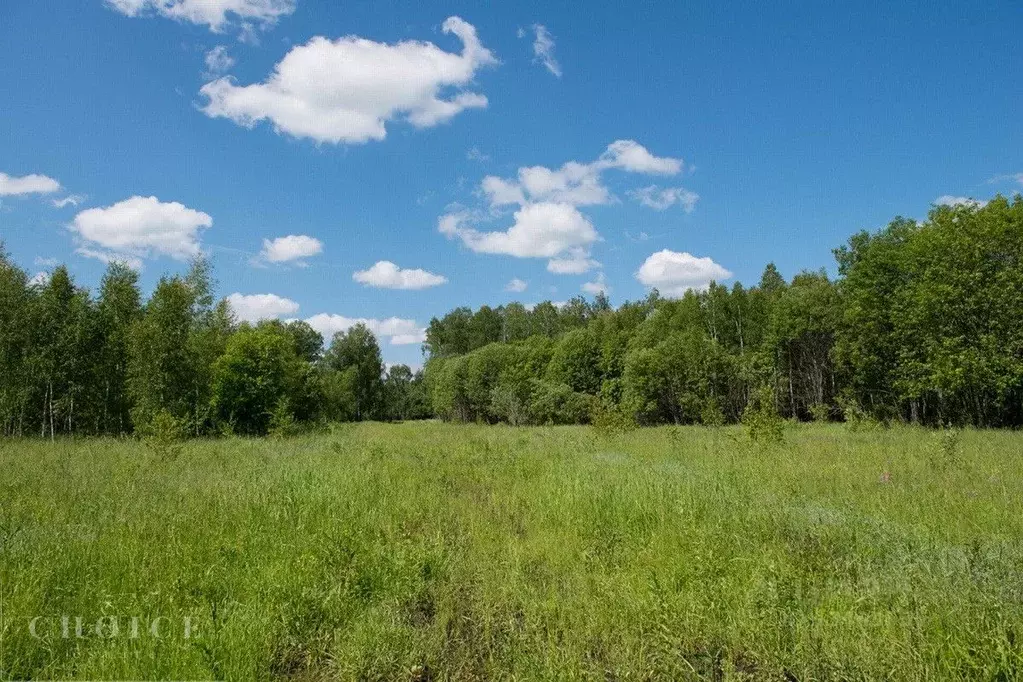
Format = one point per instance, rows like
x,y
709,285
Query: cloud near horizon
x,y
138,228
256,307
398,331
673,273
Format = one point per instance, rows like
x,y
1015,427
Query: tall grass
x,y
432,551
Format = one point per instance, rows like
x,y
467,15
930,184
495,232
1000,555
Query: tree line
x,y
923,324
115,365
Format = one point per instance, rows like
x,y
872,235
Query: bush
x,y
945,451
712,414
163,435
763,423
820,412
506,404
282,420
552,403
611,420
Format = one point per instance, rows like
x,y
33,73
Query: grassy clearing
x,y
432,551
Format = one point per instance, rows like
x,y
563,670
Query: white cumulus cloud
x,y
347,90
543,49
547,222
140,227
543,230
291,249
398,331
629,155
661,199
516,285
673,273
386,275
256,307
216,14
27,184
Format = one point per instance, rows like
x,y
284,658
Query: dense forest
x,y
924,324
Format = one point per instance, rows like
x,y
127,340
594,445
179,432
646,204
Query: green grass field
x,y
431,551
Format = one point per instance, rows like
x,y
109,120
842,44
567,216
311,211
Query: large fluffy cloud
x,y
140,227
543,230
673,273
290,249
26,184
547,222
386,275
398,331
346,90
256,307
216,14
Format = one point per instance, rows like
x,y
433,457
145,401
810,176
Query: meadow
x,y
431,551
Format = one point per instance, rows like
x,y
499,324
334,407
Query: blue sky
x,y
702,140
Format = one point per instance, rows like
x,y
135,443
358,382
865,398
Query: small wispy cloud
x,y
69,200
662,199
1008,177
543,49
218,62
516,285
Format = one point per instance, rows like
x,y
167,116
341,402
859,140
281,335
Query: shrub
x,y
763,423
611,420
282,420
163,434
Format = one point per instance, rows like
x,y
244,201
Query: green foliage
x,y
763,423
257,377
507,405
930,327
946,449
161,369
163,434
820,412
609,419
711,414
282,420
355,354
553,403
